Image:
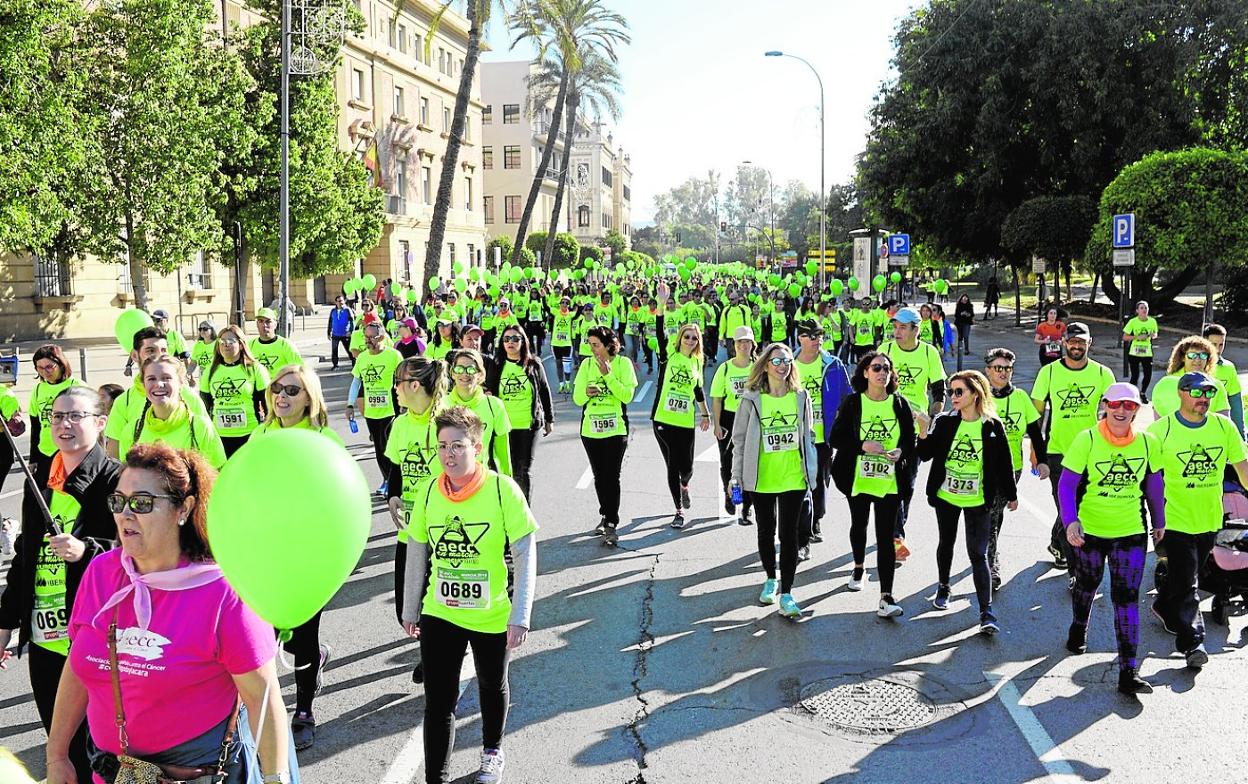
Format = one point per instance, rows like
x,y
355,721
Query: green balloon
x,y
653,343
434,283
619,267
944,286
853,284
837,287
396,289
474,274
691,263
795,290
812,267
493,292
532,272
878,283
685,273
128,322
412,296
578,274
894,277
516,275
370,281
461,285
458,267
348,287
774,280
280,566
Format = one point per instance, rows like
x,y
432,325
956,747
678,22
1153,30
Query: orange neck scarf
x,y
57,474
475,481
1114,440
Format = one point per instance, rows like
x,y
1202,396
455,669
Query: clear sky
x,y
700,95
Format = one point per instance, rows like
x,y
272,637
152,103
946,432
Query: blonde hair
x,y
977,383
679,337
757,382
170,359
244,352
316,413
1187,344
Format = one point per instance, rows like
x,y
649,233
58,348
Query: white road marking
x,y
642,391
411,758
10,494
586,478
711,455
1042,745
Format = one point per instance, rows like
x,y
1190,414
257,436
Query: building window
x,y
512,205
487,157
405,253
426,184
468,193
450,246
424,112
488,207
441,60
472,254
357,84
606,177
400,178
418,46
403,38
511,156
446,119
511,113
487,114
52,277
398,101
628,194
582,216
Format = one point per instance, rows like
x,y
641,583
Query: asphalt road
x,y
654,663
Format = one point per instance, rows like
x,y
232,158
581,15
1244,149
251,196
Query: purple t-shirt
x,y
176,677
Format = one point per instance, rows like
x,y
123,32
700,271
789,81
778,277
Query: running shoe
x,y
303,730
803,553
1130,682
988,623
888,607
385,488
816,537
996,580
602,527
1059,558
684,497
788,606
745,517
770,589
418,672
1077,638
855,580
609,537
1161,619
678,521
326,652
941,602
900,550
492,765
729,506
1197,657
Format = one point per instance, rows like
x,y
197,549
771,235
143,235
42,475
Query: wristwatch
x,y
276,778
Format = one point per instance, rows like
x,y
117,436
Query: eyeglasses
x,y
465,370
454,448
958,391
289,390
778,361
877,368
1196,392
1198,355
58,417
139,503
511,338
811,335
1125,405
1002,368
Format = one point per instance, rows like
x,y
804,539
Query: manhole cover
x,y
874,705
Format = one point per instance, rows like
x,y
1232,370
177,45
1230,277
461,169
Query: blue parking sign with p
x,y
1124,230
899,244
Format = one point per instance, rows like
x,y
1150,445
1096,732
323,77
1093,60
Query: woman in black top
x,y
514,389
963,318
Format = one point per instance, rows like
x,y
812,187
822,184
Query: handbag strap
x,y
230,728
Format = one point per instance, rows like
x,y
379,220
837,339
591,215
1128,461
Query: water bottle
x,y
736,493
1035,470
354,427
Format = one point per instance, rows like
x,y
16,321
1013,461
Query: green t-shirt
x,y
875,474
729,382
467,540
1073,397
493,416
561,334
811,376
1225,372
1017,412
201,354
304,424
182,430
376,375
175,343
231,388
515,389
964,467
1193,459
1110,506
49,622
276,354
780,456
413,447
917,369
603,415
1144,333
682,376
864,327
1165,398
41,399
779,325
129,405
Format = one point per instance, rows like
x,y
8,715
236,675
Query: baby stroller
x,y
1225,573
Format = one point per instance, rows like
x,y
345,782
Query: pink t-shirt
x,y
175,677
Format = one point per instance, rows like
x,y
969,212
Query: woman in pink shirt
x,y
156,620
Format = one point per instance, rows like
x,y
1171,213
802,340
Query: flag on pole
x,y
372,162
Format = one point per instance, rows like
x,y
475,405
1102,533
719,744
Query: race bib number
x,y
738,386
875,467
817,415
1141,348
677,404
464,589
563,336
50,620
228,418
960,484
780,439
378,399
603,423
1053,348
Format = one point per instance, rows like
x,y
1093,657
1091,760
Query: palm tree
x,y
565,26
597,85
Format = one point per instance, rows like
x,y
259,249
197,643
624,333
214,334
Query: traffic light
x,y
723,226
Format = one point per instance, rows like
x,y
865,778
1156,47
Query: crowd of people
x,y
113,569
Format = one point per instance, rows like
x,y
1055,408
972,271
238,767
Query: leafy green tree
x,y
536,241
504,244
616,242
1189,214
1056,228
567,250
592,252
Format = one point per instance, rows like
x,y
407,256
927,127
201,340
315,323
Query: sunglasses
x,y
228,342
1198,355
958,391
877,368
1002,368
139,503
289,390
778,361
1125,405
1197,392
511,338
465,370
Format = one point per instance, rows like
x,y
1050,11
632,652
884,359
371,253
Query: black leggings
x,y
442,649
726,419
561,353
378,431
780,511
305,646
522,442
537,336
606,460
885,515
45,678
1138,364
233,443
978,529
676,444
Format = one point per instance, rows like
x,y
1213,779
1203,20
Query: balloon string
x,y
264,706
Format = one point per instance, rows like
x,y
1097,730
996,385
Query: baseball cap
x,y
743,333
410,323
808,327
1121,390
160,313
471,328
266,313
907,316
1077,329
207,324
1195,380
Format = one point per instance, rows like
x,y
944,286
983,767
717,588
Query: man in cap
x,y
813,365
1072,389
1196,449
269,348
471,337
177,345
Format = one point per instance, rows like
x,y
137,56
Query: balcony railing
x,y
396,205
52,278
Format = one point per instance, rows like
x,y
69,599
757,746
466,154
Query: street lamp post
x,y
823,192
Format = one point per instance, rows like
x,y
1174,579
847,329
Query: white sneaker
x,y
889,608
8,535
855,580
491,767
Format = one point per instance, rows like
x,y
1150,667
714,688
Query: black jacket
x,y
89,484
543,408
998,466
845,440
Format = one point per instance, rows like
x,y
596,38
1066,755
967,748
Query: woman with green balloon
x,y
166,417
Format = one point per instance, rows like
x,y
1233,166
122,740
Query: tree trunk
x,y
1018,297
446,183
1159,298
135,269
539,176
1096,279
574,100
